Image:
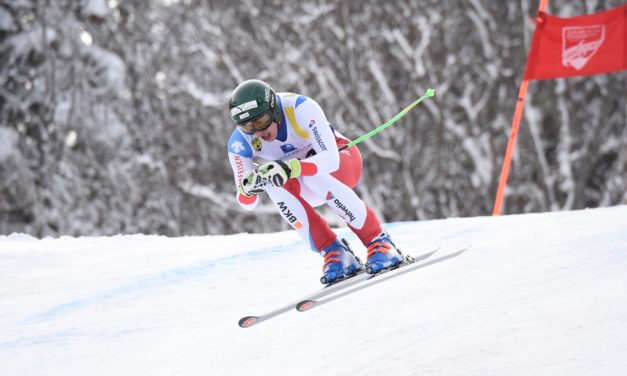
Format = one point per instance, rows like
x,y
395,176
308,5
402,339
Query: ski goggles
x,y
261,123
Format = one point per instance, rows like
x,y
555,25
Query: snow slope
x,y
537,294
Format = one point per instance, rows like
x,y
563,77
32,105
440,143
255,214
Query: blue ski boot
x,y
339,262
382,254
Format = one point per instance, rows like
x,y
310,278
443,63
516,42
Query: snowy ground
x,y
538,294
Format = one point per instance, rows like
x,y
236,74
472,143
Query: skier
x,y
304,170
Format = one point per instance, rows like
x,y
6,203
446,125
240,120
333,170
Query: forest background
x,y
114,118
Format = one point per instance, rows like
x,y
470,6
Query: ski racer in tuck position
x,y
304,169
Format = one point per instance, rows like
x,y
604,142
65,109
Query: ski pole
x,y
427,94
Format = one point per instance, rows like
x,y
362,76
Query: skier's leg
x,y
338,192
339,261
309,225
346,203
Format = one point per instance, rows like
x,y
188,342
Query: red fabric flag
x,y
578,46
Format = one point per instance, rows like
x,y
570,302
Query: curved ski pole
x,y
429,93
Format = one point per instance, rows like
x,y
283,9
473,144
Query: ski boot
x,y
382,254
339,262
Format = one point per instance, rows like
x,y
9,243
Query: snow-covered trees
x,y
113,113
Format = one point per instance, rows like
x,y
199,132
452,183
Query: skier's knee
x,y
292,186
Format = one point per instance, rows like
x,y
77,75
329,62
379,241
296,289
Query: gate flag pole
x,y
522,94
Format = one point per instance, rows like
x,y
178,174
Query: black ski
x,y
248,321
308,304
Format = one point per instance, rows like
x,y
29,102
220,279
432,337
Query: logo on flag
x,y
580,43
578,46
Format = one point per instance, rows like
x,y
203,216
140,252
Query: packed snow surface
x,y
536,294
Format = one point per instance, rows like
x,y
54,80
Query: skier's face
x,y
268,134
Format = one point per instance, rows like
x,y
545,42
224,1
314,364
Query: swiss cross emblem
x,y
580,43
237,146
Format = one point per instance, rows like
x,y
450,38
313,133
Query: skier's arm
x,y
240,166
327,158
240,156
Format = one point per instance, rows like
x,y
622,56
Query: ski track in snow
x,y
168,277
540,294
164,278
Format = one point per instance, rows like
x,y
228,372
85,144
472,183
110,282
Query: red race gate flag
x,y
578,46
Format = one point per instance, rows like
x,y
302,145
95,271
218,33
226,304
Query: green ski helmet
x,y
250,101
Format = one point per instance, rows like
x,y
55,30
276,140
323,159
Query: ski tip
x,y
247,321
305,305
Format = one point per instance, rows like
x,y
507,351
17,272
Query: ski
x,y
307,304
248,321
